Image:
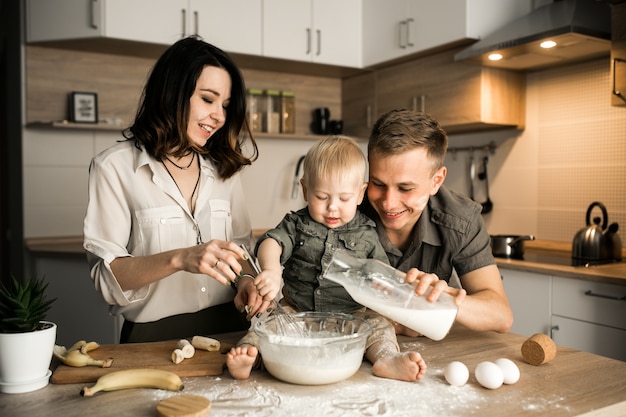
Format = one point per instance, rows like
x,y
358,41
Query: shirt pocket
x,y
356,244
160,229
221,219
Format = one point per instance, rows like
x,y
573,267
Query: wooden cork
x,y
538,349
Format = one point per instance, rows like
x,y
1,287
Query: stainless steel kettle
x,y
598,242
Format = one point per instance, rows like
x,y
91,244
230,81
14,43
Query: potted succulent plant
x,y
26,338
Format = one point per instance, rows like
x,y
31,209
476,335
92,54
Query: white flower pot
x,y
25,359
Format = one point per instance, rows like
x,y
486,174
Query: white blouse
x,y
135,209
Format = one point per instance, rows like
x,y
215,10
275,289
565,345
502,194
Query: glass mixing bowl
x,y
327,348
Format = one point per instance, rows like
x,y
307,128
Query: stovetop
x,y
554,259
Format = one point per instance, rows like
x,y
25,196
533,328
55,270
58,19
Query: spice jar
x,y
272,111
255,110
288,112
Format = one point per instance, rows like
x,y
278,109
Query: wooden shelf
x,y
63,124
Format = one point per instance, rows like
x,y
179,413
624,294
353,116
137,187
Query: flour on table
x,y
363,395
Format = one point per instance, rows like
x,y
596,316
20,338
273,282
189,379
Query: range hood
x,y
581,29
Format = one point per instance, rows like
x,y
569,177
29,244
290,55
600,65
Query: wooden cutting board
x,y
143,355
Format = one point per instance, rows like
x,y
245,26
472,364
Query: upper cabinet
x,y
396,28
320,31
213,20
462,97
618,55
150,21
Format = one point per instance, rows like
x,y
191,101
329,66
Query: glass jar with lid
x,y
256,109
288,112
272,111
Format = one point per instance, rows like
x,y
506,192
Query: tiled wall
x,y
572,153
542,179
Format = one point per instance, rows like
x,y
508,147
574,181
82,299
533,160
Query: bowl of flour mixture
x,y
312,348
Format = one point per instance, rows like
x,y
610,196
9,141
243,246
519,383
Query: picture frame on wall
x,y
83,107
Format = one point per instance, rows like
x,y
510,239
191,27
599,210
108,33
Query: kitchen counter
x,y
612,273
575,383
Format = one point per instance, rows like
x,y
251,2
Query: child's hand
x,y
268,283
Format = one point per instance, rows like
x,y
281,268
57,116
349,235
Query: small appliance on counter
x,y
597,243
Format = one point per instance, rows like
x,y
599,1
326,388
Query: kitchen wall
x,y
542,179
571,153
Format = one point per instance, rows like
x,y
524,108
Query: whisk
x,y
287,324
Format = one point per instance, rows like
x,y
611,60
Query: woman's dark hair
x,y
161,121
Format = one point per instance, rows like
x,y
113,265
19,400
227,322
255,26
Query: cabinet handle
x,y
95,14
319,41
552,330
183,14
610,297
401,32
195,22
422,106
308,41
615,91
368,119
408,32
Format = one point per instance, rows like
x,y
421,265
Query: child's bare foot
x,y
403,366
240,360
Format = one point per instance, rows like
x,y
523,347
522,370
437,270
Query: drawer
x,y
594,302
592,338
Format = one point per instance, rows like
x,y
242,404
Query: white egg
x,y
510,371
456,373
489,375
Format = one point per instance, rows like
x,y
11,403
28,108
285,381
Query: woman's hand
x,y
218,259
248,298
423,281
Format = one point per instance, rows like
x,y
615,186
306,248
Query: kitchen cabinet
x,y
319,31
148,21
589,316
79,311
396,28
152,21
618,54
358,105
213,20
463,98
529,295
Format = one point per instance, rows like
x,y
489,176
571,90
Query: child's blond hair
x,y
335,158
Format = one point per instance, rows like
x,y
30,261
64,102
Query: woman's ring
x,y
217,263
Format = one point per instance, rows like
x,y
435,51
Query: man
x,y
426,229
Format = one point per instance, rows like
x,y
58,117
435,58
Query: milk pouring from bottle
x,y
382,288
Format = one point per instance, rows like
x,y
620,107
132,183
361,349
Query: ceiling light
x,y
495,57
547,44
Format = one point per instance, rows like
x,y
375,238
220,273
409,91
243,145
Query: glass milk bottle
x,y
383,289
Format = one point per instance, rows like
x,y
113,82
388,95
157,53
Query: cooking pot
x,y
598,241
509,246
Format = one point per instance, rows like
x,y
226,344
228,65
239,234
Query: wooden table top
x,y
574,383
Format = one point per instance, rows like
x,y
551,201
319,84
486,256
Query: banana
x,y
178,356
135,378
205,343
76,358
188,349
89,346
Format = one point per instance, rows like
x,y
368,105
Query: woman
x,y
166,211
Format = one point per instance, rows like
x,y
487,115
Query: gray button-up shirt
x,y
308,247
450,234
